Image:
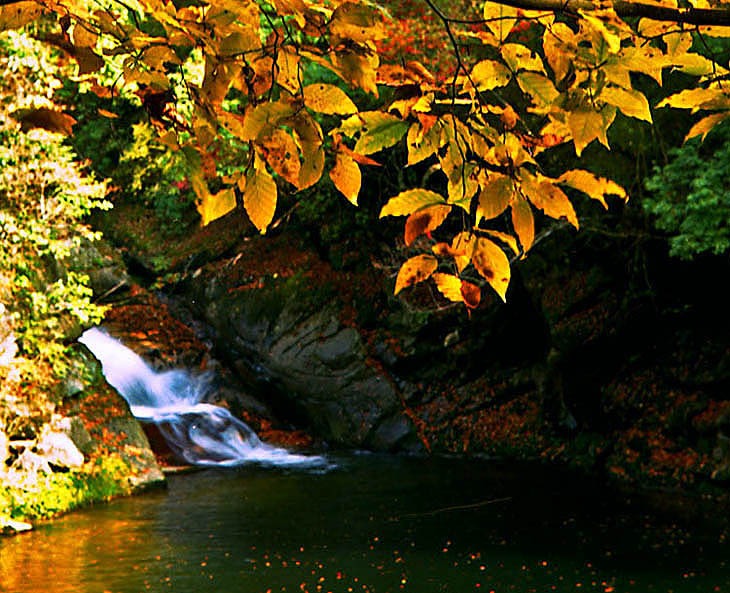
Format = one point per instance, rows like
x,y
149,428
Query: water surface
x,y
376,524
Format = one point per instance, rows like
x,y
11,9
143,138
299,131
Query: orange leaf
x,y
446,249
259,196
48,119
347,177
471,293
425,221
417,269
105,113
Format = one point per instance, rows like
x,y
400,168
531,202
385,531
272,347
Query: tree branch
x,y
690,16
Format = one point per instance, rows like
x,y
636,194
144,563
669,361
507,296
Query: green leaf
x,y
378,131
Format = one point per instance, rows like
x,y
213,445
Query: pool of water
x,y
377,524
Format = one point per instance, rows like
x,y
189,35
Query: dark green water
x,y
376,524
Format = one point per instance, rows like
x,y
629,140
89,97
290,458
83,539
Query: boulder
x,y
56,446
303,361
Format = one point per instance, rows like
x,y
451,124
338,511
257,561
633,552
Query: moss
x,y
44,495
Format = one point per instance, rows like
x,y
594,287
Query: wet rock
x,y
391,433
300,359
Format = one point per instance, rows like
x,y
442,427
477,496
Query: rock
x,y
80,436
58,449
30,463
391,432
299,359
10,526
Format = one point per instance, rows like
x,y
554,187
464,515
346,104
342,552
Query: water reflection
x,y
375,525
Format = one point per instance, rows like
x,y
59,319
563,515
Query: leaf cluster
x,y
249,74
690,196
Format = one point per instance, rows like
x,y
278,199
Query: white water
x,y
198,432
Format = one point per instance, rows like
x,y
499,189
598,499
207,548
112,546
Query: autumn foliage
x,y
281,80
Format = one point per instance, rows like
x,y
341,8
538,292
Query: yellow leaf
x,y
308,135
549,198
357,22
631,103
347,177
495,196
499,18
422,145
281,153
523,223
449,286
508,240
457,290
379,130
409,201
553,43
329,99
706,124
358,69
596,187
287,70
462,247
262,118
697,65
213,206
259,197
489,74
491,262
425,221
416,269
694,99
240,43
540,88
518,57
585,126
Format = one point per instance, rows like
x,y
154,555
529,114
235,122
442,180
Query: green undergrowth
x,y
43,496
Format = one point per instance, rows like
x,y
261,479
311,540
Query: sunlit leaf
x,y
523,222
416,269
213,206
489,74
629,102
462,247
585,126
596,187
492,263
424,221
327,98
347,177
259,197
505,238
495,196
706,124
409,201
379,130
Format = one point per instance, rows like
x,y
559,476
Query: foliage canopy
x,y
539,75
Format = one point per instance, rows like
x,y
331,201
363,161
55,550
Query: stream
x,y
375,523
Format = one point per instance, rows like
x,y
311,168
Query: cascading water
x,y
198,432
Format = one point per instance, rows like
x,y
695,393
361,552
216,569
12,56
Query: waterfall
x,y
198,432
